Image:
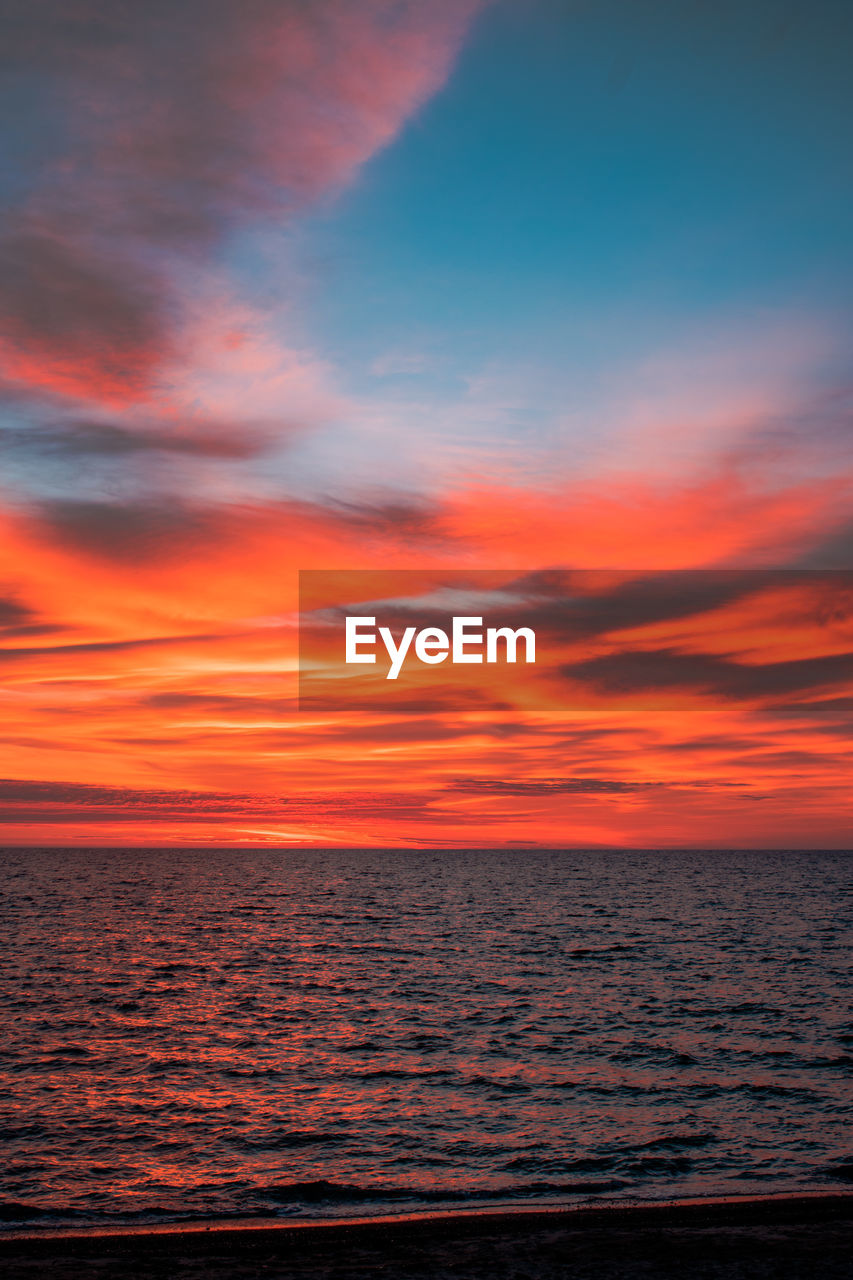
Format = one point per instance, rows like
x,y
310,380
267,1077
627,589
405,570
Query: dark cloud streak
x,y
668,670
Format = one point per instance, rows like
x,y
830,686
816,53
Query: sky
x,y
435,285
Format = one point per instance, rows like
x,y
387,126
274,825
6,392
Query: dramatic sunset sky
x,y
424,284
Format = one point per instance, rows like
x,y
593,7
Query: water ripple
x,y
193,1033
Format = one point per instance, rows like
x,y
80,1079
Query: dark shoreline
x,y
790,1236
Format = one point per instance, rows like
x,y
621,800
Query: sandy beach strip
x,y
755,1237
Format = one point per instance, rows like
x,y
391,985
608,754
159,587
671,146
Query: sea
x,y
212,1033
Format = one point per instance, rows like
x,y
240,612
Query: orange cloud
x,y
175,672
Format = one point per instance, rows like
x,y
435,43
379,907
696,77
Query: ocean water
x,y
201,1033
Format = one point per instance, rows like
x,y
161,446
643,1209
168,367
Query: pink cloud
x,y
277,104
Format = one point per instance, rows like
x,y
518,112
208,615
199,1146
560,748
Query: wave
x,y
321,1191
292,1139
17,1211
